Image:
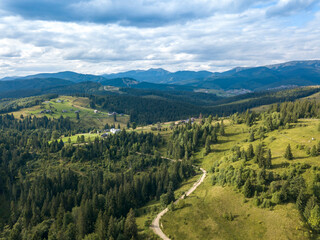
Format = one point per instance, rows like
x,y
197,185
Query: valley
x,y
105,164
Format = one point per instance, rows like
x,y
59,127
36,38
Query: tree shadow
x,y
280,165
219,150
231,134
221,141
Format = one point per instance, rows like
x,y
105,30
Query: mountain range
x,y
295,73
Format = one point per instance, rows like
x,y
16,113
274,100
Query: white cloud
x,y
240,36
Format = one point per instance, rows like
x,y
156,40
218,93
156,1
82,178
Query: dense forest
x,y
145,107
48,200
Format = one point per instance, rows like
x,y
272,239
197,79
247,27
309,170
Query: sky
x,y
107,36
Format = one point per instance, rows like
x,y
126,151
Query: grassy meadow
x,y
203,215
66,106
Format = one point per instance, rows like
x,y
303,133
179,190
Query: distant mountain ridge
x,y
294,73
66,75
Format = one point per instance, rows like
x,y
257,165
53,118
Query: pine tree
x,y
111,228
300,202
207,146
170,193
309,206
288,154
130,226
314,151
314,219
250,153
101,226
60,215
15,233
71,232
247,189
268,163
251,137
222,131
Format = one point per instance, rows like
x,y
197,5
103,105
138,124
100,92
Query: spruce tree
x,y
247,189
101,226
268,159
222,131
314,219
314,151
250,153
251,137
309,206
207,145
130,226
288,154
300,202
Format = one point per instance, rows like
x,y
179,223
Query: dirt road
x,y
155,226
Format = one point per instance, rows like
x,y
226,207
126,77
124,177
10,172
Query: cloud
x,y
144,13
227,34
289,7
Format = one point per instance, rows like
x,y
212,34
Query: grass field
x,y
87,136
66,106
148,212
203,214
203,217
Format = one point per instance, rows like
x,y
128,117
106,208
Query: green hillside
x,y
91,187
70,107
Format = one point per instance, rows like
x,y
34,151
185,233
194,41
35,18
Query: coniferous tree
x,y
251,137
101,226
248,189
300,202
309,206
313,152
250,152
222,130
130,226
288,154
314,219
268,163
207,146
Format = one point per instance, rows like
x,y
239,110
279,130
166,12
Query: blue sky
x,y
104,36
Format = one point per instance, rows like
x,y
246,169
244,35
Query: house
x,y
104,135
112,113
114,130
95,111
76,111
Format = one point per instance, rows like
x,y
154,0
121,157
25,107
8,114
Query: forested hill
x,y
94,190
151,106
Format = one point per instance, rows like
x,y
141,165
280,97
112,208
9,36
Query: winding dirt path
x,y
155,226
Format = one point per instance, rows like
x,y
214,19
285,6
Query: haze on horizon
x,y
105,36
